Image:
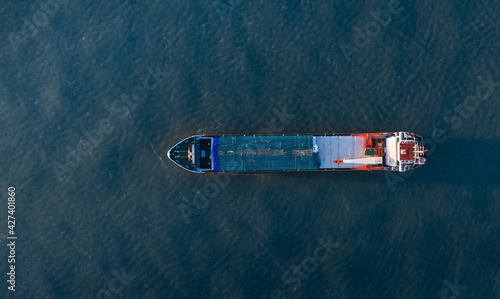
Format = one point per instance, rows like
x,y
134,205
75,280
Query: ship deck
x,y
334,148
285,152
264,153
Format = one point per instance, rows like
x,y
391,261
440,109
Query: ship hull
x,y
384,151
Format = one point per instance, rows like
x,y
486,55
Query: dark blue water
x,y
93,94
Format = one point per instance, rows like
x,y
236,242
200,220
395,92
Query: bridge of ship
x,y
405,151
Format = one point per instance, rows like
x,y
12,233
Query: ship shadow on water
x,y
462,161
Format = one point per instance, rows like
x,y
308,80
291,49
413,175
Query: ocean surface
x,y
93,94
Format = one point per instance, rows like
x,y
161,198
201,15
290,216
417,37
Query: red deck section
x,y
406,151
375,142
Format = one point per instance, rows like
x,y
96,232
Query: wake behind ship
x,y
388,151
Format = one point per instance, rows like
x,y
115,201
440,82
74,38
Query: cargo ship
x,y
387,151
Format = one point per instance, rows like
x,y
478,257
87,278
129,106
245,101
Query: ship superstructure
x,y
387,151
